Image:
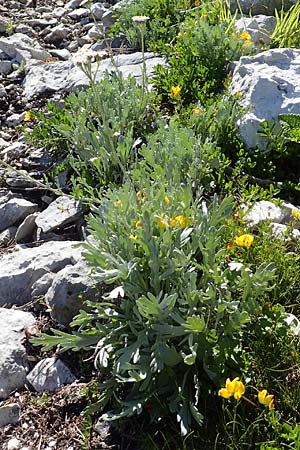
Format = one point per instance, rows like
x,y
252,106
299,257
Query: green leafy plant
x,y
287,32
198,63
173,337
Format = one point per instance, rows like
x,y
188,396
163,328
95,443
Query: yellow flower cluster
x,y
175,91
245,240
246,37
27,116
234,387
163,221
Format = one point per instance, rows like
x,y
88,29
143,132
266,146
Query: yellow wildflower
x,y
175,91
246,37
141,196
166,200
245,240
239,94
295,214
118,204
27,116
266,399
196,111
162,221
133,237
235,388
138,223
179,220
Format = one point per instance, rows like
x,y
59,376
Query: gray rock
x,y
26,228
22,48
57,34
270,86
13,362
108,19
14,150
97,10
3,24
66,76
79,13
3,93
95,33
259,27
41,286
15,119
60,53
21,269
5,67
8,235
73,4
70,287
254,7
14,210
59,12
9,414
59,213
49,375
42,23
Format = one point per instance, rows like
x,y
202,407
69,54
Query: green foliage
x,y
98,133
181,322
198,63
287,30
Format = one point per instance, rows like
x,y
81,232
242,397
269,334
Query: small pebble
x,y
13,444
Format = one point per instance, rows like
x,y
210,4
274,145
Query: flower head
x,y
166,200
245,240
180,221
175,91
118,204
246,37
140,19
295,214
196,111
266,399
233,388
138,223
133,237
27,116
162,221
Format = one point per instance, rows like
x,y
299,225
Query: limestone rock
x,y
13,365
14,210
21,269
9,414
58,214
270,86
70,287
68,77
49,375
22,48
254,7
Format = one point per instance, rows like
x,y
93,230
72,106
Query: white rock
x,y
7,235
13,444
66,76
259,27
59,213
22,48
49,375
264,210
14,210
13,363
79,13
15,119
9,414
270,86
21,269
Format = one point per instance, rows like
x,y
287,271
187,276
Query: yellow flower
x,y
162,222
141,196
27,117
234,387
196,111
138,223
246,37
133,237
266,399
295,214
166,200
118,204
179,220
175,91
239,94
245,240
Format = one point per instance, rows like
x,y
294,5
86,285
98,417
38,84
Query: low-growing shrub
x,y
175,330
